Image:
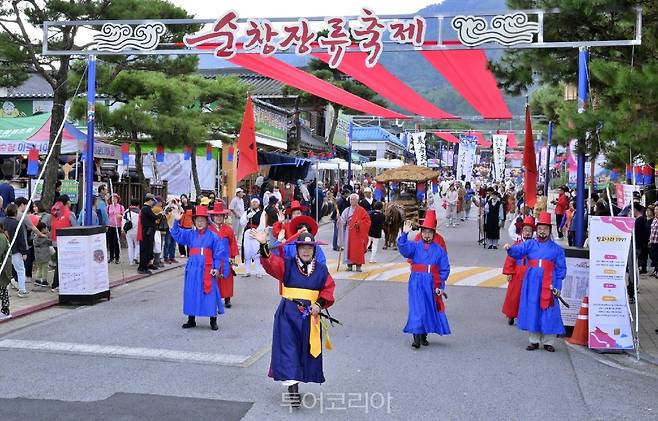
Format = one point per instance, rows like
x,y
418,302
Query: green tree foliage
x,y
20,48
183,110
622,109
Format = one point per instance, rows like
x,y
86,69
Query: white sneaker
x,y
246,275
4,317
259,276
23,294
14,284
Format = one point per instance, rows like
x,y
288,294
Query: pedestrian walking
x,y
130,217
430,269
355,225
43,250
115,222
494,218
539,311
306,288
377,220
254,219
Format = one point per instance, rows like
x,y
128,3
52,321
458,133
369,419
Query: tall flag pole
x,y
248,158
580,179
529,162
91,119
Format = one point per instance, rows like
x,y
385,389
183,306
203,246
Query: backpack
x,y
128,225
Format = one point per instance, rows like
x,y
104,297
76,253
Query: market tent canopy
x,y
511,140
384,164
407,173
18,135
386,84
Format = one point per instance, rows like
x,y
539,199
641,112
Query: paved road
x,y
129,359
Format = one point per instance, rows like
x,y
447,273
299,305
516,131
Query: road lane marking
x,y
154,354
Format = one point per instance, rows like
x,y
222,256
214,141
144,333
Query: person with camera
x,y
130,217
430,269
201,297
539,310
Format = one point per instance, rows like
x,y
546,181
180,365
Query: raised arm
x,y
274,265
406,248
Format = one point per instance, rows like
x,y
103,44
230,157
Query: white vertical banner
x,y
609,320
499,148
466,156
575,285
418,140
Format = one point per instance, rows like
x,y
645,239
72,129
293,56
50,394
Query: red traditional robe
x,y
357,235
225,231
513,296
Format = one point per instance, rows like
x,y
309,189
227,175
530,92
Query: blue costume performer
x,y
207,252
429,270
306,287
539,311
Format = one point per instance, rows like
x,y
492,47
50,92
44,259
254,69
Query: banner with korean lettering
x,y
499,147
609,320
466,156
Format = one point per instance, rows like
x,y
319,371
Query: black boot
x,y
191,322
416,343
510,321
423,340
227,302
213,323
294,397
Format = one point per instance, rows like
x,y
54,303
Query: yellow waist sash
x,y
311,295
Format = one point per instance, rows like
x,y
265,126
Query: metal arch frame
x,y
396,47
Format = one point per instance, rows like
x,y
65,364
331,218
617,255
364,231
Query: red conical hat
x,y
430,220
303,219
544,219
219,209
528,221
295,205
200,211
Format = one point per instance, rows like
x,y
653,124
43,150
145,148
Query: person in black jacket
x,y
147,221
642,233
376,227
19,250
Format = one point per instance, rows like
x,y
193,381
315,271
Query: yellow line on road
x,y
452,279
495,282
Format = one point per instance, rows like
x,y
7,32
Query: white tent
x,y
384,164
336,164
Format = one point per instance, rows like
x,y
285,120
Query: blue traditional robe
x,y
291,356
423,316
531,316
195,301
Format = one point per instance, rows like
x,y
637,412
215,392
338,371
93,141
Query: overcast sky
x,y
203,9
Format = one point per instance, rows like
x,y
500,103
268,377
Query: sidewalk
x,y
648,308
41,298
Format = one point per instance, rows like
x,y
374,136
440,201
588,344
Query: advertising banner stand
x,y
575,285
82,265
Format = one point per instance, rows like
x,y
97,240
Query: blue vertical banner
x,y
91,119
583,56
349,153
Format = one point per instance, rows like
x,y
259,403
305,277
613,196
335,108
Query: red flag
x,y
529,163
248,158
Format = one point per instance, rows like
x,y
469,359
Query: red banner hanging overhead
x,y
386,84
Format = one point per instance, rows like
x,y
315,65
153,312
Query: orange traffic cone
x,y
580,331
